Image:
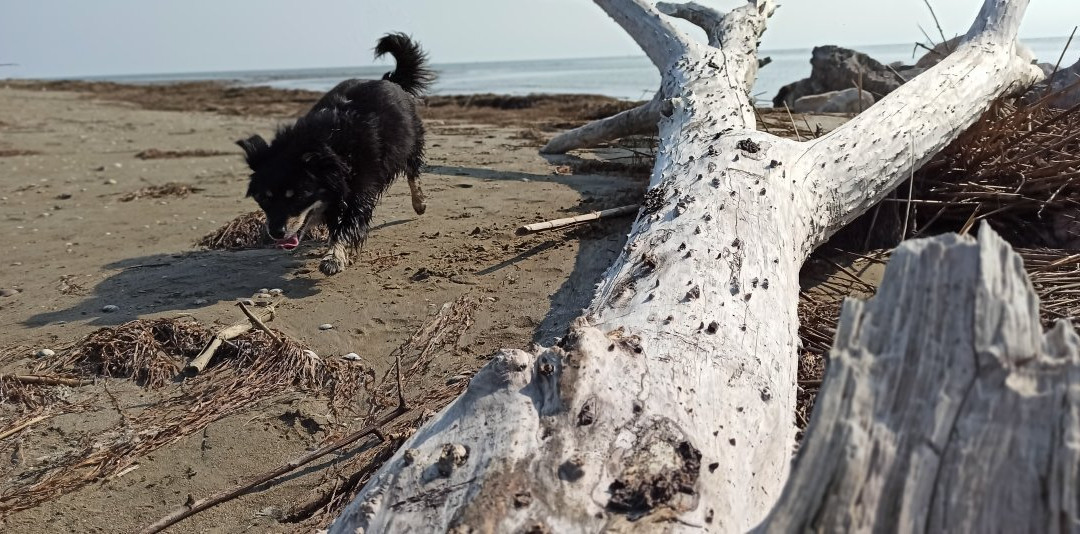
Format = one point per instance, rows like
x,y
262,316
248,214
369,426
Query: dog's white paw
x,y
335,260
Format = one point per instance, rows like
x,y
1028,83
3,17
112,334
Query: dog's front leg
x,y
347,232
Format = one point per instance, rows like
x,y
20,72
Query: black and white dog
x,y
334,163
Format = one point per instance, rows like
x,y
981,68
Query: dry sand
x,y
76,247
68,156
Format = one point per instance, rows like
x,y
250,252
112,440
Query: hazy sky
x,y
98,37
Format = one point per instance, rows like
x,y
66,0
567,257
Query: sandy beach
x,y
80,161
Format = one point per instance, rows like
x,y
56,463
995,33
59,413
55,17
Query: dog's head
x,y
290,182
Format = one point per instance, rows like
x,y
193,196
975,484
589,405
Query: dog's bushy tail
x,y
412,72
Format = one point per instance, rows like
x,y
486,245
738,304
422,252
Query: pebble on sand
x,y
109,308
46,353
276,291
325,326
352,357
8,292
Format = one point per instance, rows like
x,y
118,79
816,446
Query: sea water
x,y
631,78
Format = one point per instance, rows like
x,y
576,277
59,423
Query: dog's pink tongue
x,y
288,244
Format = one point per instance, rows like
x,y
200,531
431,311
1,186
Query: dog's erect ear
x,y
255,149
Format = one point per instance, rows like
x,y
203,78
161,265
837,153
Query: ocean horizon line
x,y
218,74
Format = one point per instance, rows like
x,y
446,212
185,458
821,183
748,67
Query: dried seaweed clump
x,y
28,397
1017,168
1055,274
440,333
251,368
148,351
249,231
154,153
171,189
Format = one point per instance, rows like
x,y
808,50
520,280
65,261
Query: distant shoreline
x,y
627,78
206,75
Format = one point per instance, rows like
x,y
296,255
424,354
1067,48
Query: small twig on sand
x,y
208,502
761,120
910,191
400,387
257,323
944,41
1050,78
792,119
570,221
197,364
15,429
927,48
46,380
898,75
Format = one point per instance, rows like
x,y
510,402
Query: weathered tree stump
x,y
946,408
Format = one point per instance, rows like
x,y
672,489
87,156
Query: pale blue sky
x,y
101,37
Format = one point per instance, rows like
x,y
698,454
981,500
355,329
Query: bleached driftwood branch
x,y
639,120
946,408
704,17
735,33
669,405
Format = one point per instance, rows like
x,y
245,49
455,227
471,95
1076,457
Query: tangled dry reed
x,y
1055,274
441,333
149,351
249,231
171,189
249,369
155,153
1017,167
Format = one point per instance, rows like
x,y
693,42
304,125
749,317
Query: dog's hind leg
x,y
412,172
419,201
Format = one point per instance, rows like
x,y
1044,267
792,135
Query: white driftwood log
x,y
946,408
640,120
669,405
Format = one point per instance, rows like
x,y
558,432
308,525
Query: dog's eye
x,y
289,193
269,194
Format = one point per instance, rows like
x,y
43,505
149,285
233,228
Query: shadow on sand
x,y
177,282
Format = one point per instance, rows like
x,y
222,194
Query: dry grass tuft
x,y
154,153
1018,168
249,231
1054,273
171,189
439,334
149,351
249,369
27,397
12,152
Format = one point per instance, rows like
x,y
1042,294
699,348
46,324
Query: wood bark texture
x,y
946,408
669,404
